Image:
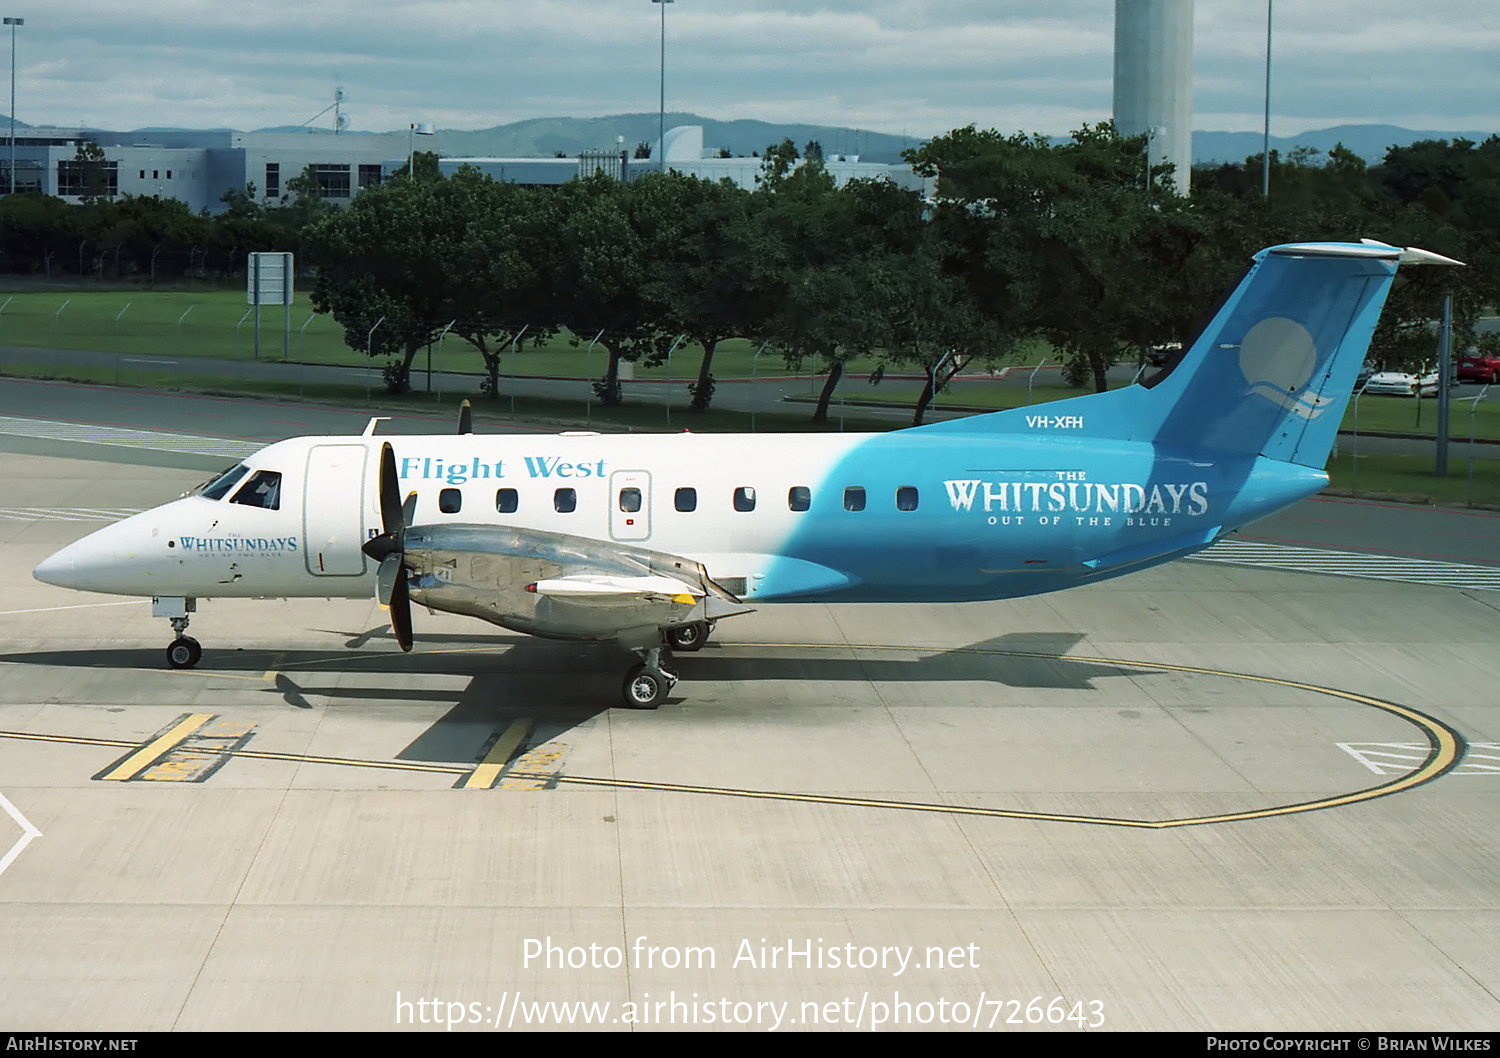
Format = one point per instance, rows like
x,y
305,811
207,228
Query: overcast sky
x,y
917,67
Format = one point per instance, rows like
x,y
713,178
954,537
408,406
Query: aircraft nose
x,y
57,569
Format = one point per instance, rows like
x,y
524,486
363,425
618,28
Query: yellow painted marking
x,y
141,758
1447,747
172,771
484,776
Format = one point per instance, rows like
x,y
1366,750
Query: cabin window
x,y
565,501
507,501
220,485
450,501
262,490
798,498
744,498
630,500
854,498
685,500
906,498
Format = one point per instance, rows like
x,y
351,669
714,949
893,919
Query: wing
x,y
559,586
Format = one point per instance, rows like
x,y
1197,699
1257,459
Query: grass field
x,y
1371,414
217,323
214,324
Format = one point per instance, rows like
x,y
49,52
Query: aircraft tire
x,y
183,652
643,689
688,638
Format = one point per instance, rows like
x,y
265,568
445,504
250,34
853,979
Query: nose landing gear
x,y
184,651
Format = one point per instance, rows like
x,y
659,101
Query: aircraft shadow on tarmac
x,y
558,686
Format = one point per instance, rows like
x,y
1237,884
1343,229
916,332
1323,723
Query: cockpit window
x,y
216,488
262,490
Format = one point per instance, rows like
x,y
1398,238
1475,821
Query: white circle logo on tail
x,y
1278,357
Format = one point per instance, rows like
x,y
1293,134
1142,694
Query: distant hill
x,y
1370,142
545,137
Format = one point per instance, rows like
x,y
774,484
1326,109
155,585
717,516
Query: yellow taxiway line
x,y
142,758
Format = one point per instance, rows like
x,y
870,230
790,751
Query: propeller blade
x,y
465,418
408,510
401,610
385,578
390,491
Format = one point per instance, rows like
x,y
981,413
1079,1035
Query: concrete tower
x,y
1154,79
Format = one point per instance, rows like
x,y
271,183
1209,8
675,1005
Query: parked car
x,y
1475,366
1402,383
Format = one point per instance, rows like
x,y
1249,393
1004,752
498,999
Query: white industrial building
x,y
685,153
199,167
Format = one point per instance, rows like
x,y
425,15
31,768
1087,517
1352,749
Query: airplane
x,y
649,540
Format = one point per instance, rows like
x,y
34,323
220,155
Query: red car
x,y
1475,366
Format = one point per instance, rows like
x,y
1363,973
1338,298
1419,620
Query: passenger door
x,y
333,510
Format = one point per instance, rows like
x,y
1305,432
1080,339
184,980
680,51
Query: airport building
x,y
685,153
200,167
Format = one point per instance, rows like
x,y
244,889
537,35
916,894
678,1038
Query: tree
x,y
699,246
930,322
501,240
598,268
779,161
1068,241
818,246
425,165
383,272
91,172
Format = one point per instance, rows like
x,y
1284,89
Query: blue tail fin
x,y
1270,375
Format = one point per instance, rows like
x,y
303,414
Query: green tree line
x,y
1074,243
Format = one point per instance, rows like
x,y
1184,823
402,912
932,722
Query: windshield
x,y
262,490
216,488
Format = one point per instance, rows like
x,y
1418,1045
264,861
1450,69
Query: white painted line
x,y
1353,564
1394,758
118,435
29,833
80,606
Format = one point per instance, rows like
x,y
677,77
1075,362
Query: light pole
x,y
1265,156
661,119
13,23
413,130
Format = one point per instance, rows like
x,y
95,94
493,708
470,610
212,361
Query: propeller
x,y
388,548
465,418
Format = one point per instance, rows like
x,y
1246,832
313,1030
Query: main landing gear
x,y
650,682
689,638
184,651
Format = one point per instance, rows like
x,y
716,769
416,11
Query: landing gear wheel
x,y
644,689
688,638
184,652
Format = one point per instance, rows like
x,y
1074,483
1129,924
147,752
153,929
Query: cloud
x,y
889,65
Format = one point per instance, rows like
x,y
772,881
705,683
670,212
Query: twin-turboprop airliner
x,y
648,541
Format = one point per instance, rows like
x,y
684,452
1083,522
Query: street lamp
x,y
1265,159
661,119
13,23
414,130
